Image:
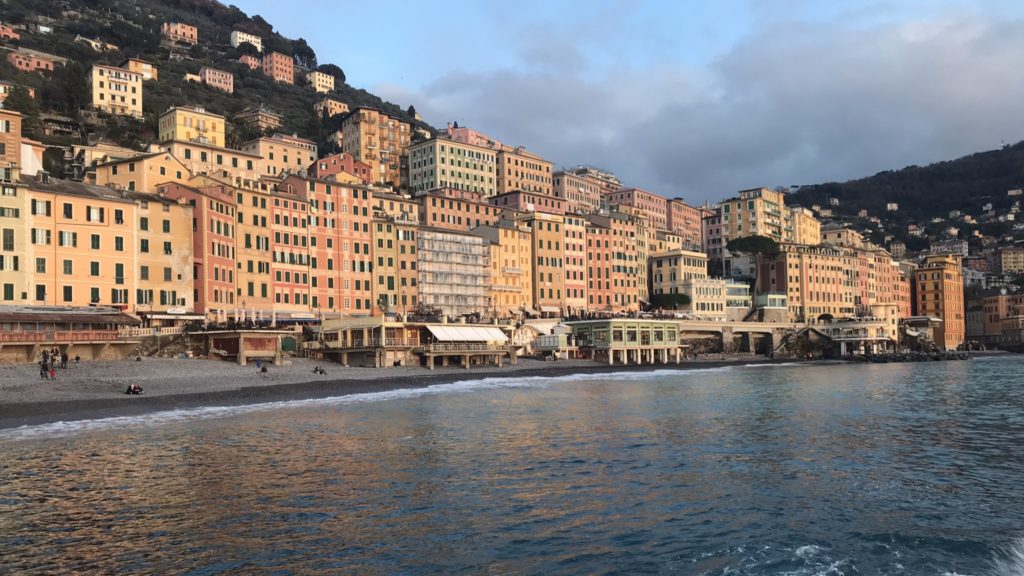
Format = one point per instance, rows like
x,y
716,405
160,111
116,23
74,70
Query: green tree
x,y
753,245
333,70
303,54
669,301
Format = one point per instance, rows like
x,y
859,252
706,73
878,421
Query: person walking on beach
x,y
43,372
77,358
64,361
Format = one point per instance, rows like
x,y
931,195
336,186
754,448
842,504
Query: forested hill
x,y
926,192
133,26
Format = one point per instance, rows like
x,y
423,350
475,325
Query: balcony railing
x,y
466,347
374,343
62,336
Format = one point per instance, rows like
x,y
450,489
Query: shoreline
x,y
30,413
95,397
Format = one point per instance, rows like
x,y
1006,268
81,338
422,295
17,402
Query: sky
x,y
690,98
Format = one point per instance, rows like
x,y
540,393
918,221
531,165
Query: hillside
x,y
926,192
134,27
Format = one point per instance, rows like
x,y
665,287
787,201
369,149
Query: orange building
x,y
29,62
655,207
377,139
395,228
235,167
462,210
548,260
251,61
612,263
259,118
331,106
143,172
939,292
8,33
145,69
282,154
685,221
178,32
279,67
521,170
583,188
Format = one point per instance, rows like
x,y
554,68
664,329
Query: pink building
x,y
8,33
529,202
341,162
653,205
218,79
251,61
464,135
178,32
685,221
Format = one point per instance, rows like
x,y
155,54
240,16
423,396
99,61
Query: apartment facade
x,y
143,68
219,79
529,202
939,292
320,81
452,209
817,280
191,124
279,67
178,32
580,193
548,260
259,118
653,206
29,62
116,90
238,37
282,154
330,106
519,170
331,167
142,173
685,221
163,274
395,230
375,138
235,167
801,227
439,163
669,271
511,289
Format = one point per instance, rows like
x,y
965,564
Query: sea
x,y
795,469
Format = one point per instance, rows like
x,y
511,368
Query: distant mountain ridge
x,y
926,192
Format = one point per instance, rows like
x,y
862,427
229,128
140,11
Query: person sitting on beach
x,y
263,369
138,358
134,390
77,358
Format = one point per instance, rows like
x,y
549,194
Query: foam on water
x,y
1012,563
59,429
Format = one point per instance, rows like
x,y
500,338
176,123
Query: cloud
x,y
793,103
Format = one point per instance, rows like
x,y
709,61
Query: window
x,y
94,241
119,273
144,245
69,267
40,265
144,223
167,248
144,272
68,295
68,211
41,292
119,243
167,226
167,275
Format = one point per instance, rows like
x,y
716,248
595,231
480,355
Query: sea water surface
x,y
798,469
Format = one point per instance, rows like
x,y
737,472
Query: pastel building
x,y
439,163
817,280
259,118
452,209
282,154
30,62
511,267
219,79
580,192
191,124
454,271
379,140
574,242
939,293
521,170
142,173
330,167
529,202
279,67
320,81
141,67
238,37
116,90
548,260
395,228
178,32
330,106
235,167
653,206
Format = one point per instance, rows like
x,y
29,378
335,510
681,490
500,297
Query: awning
x,y
445,333
549,309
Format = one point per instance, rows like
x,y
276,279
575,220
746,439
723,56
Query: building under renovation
x,y
454,272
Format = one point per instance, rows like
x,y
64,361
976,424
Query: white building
x,y
237,37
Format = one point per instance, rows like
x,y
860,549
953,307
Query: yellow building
x,y
320,81
163,273
377,139
147,70
234,167
548,260
282,154
253,253
394,227
439,163
142,173
670,270
192,124
519,169
757,212
1011,260
14,237
801,227
331,106
116,90
511,267
939,292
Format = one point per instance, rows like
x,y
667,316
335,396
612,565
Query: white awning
x,y
549,309
446,333
158,316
